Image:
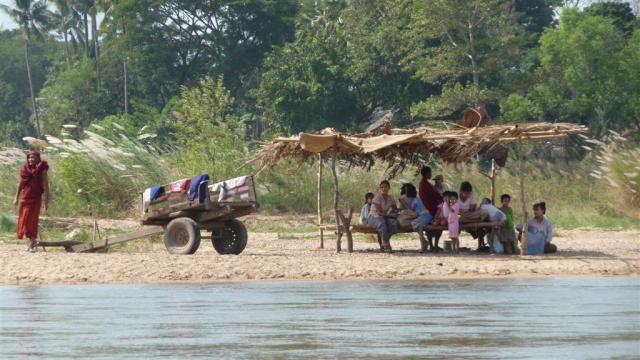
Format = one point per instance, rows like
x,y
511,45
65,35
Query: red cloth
x,y
28,219
31,177
430,197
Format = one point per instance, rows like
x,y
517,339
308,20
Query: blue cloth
x,y
421,221
156,192
194,188
417,205
424,217
538,235
364,213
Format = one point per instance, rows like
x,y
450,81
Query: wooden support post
x,y
320,201
348,230
493,181
336,195
525,214
345,225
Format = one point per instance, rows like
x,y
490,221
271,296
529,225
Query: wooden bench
x,y
344,227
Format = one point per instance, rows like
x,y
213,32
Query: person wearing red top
x,y
431,198
34,182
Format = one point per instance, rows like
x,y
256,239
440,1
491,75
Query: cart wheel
x,y
182,236
231,239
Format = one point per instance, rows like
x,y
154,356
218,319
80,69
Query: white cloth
x,y
466,205
384,204
495,214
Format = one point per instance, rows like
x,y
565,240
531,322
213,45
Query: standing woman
x,y
34,183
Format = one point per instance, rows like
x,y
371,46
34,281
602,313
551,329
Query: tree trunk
x,y
336,195
125,75
33,95
525,214
320,201
493,181
474,63
86,32
126,87
96,44
66,47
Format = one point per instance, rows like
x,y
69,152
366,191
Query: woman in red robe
x,y
34,183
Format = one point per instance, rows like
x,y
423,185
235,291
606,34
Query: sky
x,y
5,21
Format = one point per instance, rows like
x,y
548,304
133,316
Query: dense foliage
x,y
304,65
200,82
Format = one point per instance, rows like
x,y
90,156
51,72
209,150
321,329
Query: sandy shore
x,y
599,253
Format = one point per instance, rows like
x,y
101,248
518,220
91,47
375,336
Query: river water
x,y
523,318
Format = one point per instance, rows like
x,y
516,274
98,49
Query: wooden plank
x,y
365,229
144,232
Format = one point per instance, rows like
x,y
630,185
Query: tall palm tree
x,y
65,20
32,17
113,17
82,7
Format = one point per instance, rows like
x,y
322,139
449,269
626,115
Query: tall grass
x,y
111,168
574,200
95,173
7,224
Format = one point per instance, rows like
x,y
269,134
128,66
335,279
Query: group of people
x,y
435,204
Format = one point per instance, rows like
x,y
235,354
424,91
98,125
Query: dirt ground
x,y
273,256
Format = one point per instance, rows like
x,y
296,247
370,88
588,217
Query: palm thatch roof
x,y
411,146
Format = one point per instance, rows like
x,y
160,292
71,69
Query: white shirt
x,y
466,205
495,214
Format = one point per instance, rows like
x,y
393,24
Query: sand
x,y
297,257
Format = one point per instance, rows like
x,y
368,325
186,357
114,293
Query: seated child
x,y
366,208
414,203
443,211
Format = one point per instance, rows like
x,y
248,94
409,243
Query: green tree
x,y
305,84
67,22
620,12
176,42
211,138
70,97
376,36
32,18
581,77
465,46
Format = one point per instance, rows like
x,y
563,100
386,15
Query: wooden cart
x,y
215,209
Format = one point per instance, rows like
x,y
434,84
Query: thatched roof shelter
x,y
456,144
452,143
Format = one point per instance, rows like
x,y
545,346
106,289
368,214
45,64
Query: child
x,y
507,233
439,185
414,203
453,220
366,209
443,211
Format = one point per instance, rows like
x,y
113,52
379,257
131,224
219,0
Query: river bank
x,y
273,256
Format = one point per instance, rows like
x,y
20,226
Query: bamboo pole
x,y
320,201
336,195
493,181
525,214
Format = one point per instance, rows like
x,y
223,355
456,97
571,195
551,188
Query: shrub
x,y
7,224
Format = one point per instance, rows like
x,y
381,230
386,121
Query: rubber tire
x,y
232,239
182,236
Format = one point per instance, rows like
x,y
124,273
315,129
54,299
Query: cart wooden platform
x,y
215,209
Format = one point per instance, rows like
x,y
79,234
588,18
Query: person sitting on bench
x,y
540,232
383,215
